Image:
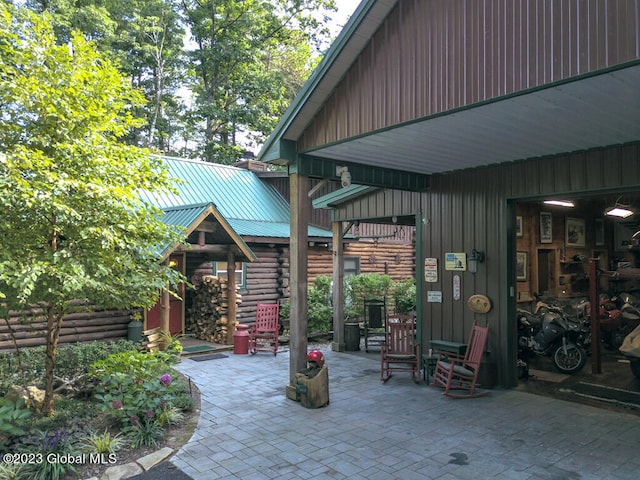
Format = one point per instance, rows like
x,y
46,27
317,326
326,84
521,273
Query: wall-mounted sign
x,y
455,261
431,270
456,287
434,296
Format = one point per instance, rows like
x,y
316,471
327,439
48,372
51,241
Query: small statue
x,y
315,361
312,383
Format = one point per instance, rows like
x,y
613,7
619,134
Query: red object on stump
x,y
241,340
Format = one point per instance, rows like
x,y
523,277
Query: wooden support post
x,y
596,361
300,206
165,310
231,295
338,289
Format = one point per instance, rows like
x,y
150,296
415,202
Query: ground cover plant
x,y
111,396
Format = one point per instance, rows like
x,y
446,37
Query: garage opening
x,y
557,241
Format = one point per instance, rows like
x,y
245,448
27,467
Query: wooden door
x,y
176,305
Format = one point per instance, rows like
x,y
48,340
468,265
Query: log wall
x,y
30,329
391,258
266,281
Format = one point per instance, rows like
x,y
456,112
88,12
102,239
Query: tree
x,y
148,42
73,222
146,38
246,61
242,83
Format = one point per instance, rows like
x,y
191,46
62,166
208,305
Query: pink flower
x,y
165,379
117,404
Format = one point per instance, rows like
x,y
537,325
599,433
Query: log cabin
x,y
236,221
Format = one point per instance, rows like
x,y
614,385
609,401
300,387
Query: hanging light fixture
x,y
619,210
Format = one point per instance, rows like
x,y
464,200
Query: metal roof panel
x,y
250,206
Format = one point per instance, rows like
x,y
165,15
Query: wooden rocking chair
x,y
455,372
401,350
263,335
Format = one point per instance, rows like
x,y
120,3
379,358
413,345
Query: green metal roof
x,y
342,195
190,216
250,206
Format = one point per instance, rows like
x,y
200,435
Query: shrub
x,y
145,432
404,296
98,443
13,471
13,419
135,388
358,288
59,443
71,361
171,415
319,305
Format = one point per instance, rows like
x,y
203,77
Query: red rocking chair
x,y
454,372
263,335
401,350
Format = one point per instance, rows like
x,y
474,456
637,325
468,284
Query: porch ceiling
x,y
583,113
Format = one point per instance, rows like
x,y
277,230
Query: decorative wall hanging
x,y
521,266
546,227
574,232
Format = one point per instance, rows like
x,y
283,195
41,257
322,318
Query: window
x,y
351,266
220,271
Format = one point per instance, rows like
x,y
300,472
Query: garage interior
x,y
556,239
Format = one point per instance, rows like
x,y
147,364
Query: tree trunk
x,y
54,322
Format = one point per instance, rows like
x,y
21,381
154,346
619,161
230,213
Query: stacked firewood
x,y
209,312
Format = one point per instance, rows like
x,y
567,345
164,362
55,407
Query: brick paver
x,y
397,430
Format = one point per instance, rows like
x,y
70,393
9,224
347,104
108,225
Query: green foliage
x,y
404,296
75,224
285,311
319,305
138,390
173,345
69,413
245,82
73,360
359,288
184,401
170,416
145,432
13,420
15,471
98,443
60,444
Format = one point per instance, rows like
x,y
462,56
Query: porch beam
x,y
361,174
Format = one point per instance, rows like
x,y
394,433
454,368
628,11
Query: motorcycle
x,y
630,348
629,308
610,320
549,331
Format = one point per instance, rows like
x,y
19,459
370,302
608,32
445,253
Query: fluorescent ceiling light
x,y
561,203
619,212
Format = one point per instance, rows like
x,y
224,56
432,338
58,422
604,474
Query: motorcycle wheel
x,y
635,368
570,361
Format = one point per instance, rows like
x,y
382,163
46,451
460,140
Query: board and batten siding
x,y
472,209
430,56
